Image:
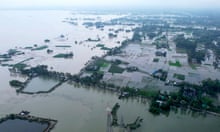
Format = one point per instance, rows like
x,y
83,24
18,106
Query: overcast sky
x,y
91,3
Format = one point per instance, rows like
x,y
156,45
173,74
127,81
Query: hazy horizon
x,y
197,4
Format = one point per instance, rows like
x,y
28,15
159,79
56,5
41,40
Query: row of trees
x,y
190,46
196,97
211,87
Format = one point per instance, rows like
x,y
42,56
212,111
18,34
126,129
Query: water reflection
x,y
18,125
40,84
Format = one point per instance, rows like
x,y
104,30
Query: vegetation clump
x,y
46,41
160,74
16,83
61,55
136,124
190,45
116,69
20,66
40,48
63,46
102,46
179,76
114,114
92,80
177,64
156,60
189,96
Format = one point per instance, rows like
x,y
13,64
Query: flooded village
x,y
113,72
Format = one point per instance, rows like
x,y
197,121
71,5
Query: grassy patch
x,y
156,60
16,83
6,60
102,47
41,47
105,48
70,55
193,66
177,63
148,94
193,74
161,45
28,47
105,64
179,76
20,66
102,63
179,50
26,60
144,93
99,63
63,46
100,72
116,69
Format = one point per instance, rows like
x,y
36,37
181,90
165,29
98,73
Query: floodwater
x,y
26,28
40,84
83,109
77,108
18,125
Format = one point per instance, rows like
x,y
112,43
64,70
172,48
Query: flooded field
x,y
23,35
78,108
40,84
18,125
